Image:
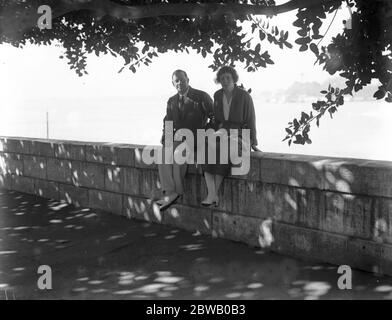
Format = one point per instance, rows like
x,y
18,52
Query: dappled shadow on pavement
x,y
96,255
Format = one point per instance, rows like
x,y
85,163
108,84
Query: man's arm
x,y
168,117
208,106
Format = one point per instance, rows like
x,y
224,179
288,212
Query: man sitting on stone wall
x,y
188,109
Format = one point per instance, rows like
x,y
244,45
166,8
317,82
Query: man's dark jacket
x,y
198,105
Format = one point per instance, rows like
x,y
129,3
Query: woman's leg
x,y
218,182
210,182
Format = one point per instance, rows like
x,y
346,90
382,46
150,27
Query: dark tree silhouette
x,y
359,54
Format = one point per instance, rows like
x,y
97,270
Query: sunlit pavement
x,y
96,255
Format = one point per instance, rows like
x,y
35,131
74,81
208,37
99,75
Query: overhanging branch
x,y
12,24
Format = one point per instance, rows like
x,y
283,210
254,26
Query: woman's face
x,y
226,80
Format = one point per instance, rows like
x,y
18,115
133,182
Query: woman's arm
x,y
251,121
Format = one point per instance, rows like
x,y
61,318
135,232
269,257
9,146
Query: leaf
x,y
145,48
317,36
313,47
254,26
257,49
261,35
302,33
289,131
379,94
304,47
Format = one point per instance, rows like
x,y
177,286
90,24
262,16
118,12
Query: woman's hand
x,y
254,148
221,132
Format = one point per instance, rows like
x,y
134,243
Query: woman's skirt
x,y
226,148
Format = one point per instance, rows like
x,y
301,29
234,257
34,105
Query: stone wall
x,y
320,208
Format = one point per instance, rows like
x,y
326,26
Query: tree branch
x,y
13,21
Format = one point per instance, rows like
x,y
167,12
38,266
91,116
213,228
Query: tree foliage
x,y
359,54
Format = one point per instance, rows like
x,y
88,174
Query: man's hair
x,y
178,72
227,69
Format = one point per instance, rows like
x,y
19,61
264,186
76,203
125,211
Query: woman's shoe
x,y
216,201
207,203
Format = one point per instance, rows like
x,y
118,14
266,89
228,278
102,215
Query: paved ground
x,y
95,255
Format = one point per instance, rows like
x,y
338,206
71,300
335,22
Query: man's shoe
x,y
169,202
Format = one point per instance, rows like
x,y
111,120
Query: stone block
x,y
356,176
253,231
132,181
114,179
254,173
23,184
59,170
365,255
40,148
150,184
193,190
70,151
47,189
262,200
348,215
107,201
11,163
102,153
124,156
292,170
311,208
311,245
189,218
141,209
34,166
110,153
75,195
382,220
89,175
139,163
15,145
225,195
247,198
6,181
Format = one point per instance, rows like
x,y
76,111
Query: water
x,y
358,130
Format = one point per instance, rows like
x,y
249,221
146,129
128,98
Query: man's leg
x,y
165,170
166,178
179,172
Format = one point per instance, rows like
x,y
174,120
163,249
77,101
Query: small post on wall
x,y
47,125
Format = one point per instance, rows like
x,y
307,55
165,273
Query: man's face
x,y
180,82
